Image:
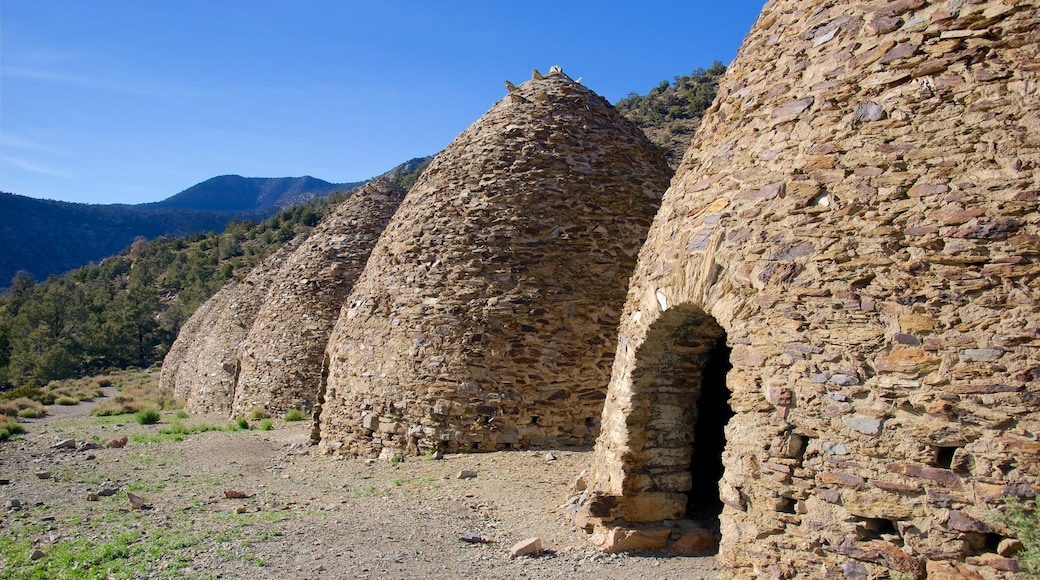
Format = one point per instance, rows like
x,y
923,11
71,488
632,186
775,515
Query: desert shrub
x,y
10,428
266,424
147,416
65,400
22,407
242,423
1025,524
258,413
295,415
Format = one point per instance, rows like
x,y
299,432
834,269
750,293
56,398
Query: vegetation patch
x,y
10,428
22,407
1025,524
147,416
295,415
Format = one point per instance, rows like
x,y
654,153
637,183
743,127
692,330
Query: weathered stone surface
x,y
280,360
622,539
486,316
859,202
202,365
694,543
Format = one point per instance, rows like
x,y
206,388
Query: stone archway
x,y
678,383
659,460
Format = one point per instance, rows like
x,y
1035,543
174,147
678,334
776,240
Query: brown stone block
x,y
840,478
694,543
950,570
907,361
943,476
621,539
652,507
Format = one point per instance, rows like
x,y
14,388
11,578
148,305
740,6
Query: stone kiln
x,y
202,365
259,344
857,221
280,360
486,318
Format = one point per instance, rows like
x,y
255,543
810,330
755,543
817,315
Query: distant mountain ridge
x,y
45,237
234,193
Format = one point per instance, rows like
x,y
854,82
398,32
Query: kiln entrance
x,y
709,436
680,410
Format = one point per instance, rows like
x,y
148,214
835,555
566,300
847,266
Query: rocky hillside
x,y
670,113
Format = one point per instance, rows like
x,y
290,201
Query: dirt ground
x,y
66,512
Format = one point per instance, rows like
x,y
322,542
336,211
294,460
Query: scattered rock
x,y
528,547
107,492
66,444
44,474
466,474
472,538
136,502
89,446
93,496
580,482
14,504
235,494
37,554
5,482
118,443
241,509
550,456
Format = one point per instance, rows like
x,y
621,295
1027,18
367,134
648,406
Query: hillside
x,y
45,237
126,310
234,193
670,113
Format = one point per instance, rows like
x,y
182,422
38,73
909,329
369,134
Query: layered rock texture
x,y
202,365
281,359
259,344
857,220
487,316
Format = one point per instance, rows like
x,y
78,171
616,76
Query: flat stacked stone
x,y
486,316
202,365
281,359
858,218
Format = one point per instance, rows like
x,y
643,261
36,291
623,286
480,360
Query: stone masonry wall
x,y
202,364
281,359
486,317
858,216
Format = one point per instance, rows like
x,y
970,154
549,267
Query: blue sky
x,y
117,101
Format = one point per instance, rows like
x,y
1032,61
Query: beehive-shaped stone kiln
x,y
202,365
855,232
486,317
281,359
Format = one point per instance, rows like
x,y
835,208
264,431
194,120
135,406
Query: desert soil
x,y
304,515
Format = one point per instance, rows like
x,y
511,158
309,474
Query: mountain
x,y
45,237
234,193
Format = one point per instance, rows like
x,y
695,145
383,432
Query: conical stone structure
x,y
486,316
202,365
857,220
280,362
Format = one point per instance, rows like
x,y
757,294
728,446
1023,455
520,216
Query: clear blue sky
x,y
128,101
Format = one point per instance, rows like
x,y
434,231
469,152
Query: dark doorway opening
x,y
712,413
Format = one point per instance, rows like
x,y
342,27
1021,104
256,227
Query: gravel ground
x,y
303,515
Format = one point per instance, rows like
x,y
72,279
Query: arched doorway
x,y
680,410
